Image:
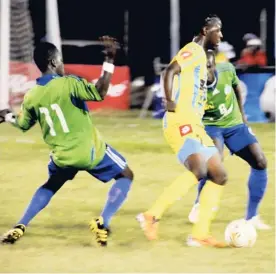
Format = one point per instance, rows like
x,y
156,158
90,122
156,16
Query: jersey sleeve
x,y
83,90
235,78
26,117
187,56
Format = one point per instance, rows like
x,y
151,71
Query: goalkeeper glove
x,y
6,116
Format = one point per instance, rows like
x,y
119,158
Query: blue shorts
x,y
193,146
109,168
235,138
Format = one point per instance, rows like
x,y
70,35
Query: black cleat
x,y
11,236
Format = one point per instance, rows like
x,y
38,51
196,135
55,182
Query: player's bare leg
x,y
255,157
149,220
209,199
197,169
193,215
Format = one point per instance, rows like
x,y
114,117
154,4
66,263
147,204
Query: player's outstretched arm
x,y
111,46
96,92
24,120
168,76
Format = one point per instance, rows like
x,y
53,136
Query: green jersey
x,y
58,104
222,107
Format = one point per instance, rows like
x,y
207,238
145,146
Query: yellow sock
x,y
176,190
209,199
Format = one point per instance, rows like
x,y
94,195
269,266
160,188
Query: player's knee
x,y
52,186
128,173
131,175
260,163
57,180
223,178
200,172
197,165
219,178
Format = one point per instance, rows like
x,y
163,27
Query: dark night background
x,y
149,26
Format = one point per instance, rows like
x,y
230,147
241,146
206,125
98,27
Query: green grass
x,y
58,240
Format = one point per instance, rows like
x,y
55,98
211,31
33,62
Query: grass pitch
x,y
58,240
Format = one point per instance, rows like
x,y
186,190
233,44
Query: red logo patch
x,y
186,54
185,129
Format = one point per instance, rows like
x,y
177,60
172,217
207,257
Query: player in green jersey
x,y
58,104
225,123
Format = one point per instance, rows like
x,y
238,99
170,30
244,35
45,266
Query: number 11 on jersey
x,y
49,121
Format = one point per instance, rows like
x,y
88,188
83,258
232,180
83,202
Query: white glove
x,y
10,118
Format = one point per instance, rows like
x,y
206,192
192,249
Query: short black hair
x,y
210,20
43,53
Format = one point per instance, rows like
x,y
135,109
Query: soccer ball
x,y
240,233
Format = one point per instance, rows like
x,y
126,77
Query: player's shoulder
x,y
190,51
192,47
225,67
72,77
31,94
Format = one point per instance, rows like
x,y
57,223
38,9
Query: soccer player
x,y
225,123
184,83
58,103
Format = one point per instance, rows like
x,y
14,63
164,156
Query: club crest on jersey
x,y
185,129
227,89
215,92
186,54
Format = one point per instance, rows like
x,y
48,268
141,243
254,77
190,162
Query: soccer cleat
x,y
101,233
193,216
11,236
209,241
109,232
149,225
258,223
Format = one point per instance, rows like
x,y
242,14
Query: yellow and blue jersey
x,y
189,94
189,87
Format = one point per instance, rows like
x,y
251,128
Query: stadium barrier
x,y
22,78
253,82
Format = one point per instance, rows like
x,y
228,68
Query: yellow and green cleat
x,y
101,233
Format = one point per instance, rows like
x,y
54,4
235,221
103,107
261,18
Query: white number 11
x,y
49,120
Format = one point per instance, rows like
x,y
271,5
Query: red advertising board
x,y
22,78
